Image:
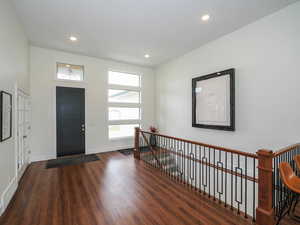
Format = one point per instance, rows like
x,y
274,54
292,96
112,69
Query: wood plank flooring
x,y
116,190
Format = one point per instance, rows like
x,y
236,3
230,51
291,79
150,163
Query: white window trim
x,y
122,104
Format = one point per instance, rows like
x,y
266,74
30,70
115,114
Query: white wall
x,y
13,71
266,55
43,83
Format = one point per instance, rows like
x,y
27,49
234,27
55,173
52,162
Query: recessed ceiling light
x,y
73,38
205,17
147,56
68,66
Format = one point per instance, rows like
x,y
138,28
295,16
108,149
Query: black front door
x,y
70,121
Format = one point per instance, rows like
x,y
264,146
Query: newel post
x,y
137,143
264,210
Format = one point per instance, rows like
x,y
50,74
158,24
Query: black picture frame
x,y
231,127
2,94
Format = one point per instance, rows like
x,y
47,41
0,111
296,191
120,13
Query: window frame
x,y
123,137
124,104
125,72
125,88
66,80
128,107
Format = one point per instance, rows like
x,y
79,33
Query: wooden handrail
x,y
286,149
252,155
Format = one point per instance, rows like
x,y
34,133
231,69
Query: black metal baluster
x,y
220,168
160,153
254,196
226,179
274,185
154,155
181,162
209,172
239,202
176,159
214,174
184,161
193,165
173,159
164,154
188,165
167,161
200,165
246,192
167,157
231,181
280,188
196,167
170,157
204,168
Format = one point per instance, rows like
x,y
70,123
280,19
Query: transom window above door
x,y
124,104
69,72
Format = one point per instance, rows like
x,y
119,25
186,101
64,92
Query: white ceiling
x,y
125,30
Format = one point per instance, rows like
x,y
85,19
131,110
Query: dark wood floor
x,y
115,190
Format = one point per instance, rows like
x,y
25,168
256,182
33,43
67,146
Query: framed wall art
x,y
5,116
213,101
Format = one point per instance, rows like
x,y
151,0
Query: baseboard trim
x,y
108,149
37,158
8,194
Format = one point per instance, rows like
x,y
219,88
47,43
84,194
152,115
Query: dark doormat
x,y
73,160
129,151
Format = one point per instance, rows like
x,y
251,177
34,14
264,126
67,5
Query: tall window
x,y
124,104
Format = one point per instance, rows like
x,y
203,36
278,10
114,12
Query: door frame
x,y
63,84
19,173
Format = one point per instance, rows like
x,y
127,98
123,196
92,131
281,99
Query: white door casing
x,y
23,132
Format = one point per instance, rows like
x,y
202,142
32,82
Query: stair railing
x,y
224,175
247,183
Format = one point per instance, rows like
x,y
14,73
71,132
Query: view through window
x,y
124,104
69,72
